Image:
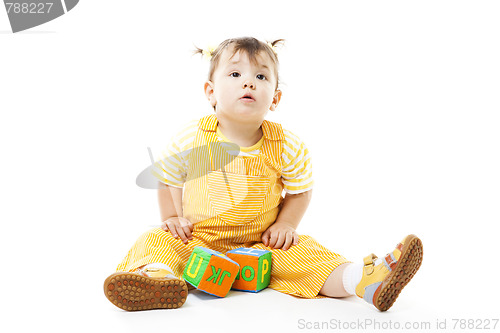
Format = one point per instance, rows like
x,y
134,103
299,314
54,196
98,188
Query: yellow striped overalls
x,y
232,201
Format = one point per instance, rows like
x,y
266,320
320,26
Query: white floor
x,y
243,312
65,301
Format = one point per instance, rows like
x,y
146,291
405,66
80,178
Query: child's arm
x,y
170,202
281,234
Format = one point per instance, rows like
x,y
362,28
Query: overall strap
x,y
272,148
206,135
208,123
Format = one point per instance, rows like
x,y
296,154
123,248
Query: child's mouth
x,y
247,98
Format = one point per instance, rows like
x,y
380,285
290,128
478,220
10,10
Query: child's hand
x,y
179,227
280,235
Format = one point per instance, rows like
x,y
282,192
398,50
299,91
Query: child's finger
x,y
167,225
272,240
296,238
182,235
163,226
187,232
265,238
171,227
280,241
288,242
187,226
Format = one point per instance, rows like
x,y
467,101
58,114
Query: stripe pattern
x,y
231,208
172,166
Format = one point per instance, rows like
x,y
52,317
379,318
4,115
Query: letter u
x,y
189,273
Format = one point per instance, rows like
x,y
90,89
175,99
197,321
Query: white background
x,y
398,102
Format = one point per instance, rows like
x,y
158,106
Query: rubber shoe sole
x,y
408,264
133,292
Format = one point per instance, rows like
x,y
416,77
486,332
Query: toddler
x,y
221,186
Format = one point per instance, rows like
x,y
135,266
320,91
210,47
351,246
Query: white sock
x,y
352,276
158,265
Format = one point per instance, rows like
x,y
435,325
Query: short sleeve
x,y
171,167
297,166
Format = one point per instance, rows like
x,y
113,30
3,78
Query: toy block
x,y
255,269
210,271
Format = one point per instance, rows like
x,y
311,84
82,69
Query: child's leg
x,y
334,286
378,281
302,269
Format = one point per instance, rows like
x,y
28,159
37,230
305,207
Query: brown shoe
x,y
143,291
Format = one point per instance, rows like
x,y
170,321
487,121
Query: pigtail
x,y
197,50
207,52
276,44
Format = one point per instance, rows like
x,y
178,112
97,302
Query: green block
x,y
195,267
264,266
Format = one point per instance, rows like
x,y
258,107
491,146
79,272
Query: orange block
x,y
255,268
219,276
210,271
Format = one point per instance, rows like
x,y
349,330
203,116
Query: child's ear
x,y
209,92
276,100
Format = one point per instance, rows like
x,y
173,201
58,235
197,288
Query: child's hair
x,y
250,45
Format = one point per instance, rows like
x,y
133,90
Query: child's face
x,y
241,90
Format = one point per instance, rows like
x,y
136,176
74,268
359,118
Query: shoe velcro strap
x,y
369,262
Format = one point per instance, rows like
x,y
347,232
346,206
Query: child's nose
x,y
248,84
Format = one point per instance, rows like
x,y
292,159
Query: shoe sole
x,y
134,292
408,264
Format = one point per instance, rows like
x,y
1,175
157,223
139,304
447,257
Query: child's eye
x,y
261,77
235,74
